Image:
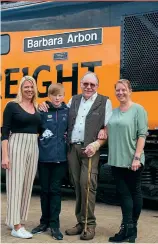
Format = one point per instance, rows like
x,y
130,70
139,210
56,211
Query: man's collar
x,y
92,98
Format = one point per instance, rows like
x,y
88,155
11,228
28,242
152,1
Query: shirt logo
x,y
49,116
46,134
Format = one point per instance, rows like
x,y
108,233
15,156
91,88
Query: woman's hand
x,y
135,165
5,163
102,135
43,107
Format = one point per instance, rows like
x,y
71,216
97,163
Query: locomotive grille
x,y
146,176
156,177
139,51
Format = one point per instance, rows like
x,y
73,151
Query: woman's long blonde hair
x,y
18,98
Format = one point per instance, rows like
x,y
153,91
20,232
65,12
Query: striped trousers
x,y
23,156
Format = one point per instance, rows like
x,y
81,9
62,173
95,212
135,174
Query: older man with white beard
x,y
89,113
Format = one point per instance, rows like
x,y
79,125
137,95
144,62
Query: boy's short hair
x,y
55,89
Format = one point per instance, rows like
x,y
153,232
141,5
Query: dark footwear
x,y
76,230
126,233
39,229
135,228
89,234
56,234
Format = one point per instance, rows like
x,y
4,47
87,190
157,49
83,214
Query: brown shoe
x,y
89,235
76,230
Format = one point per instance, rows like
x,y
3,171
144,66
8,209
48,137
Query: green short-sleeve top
x,y
124,129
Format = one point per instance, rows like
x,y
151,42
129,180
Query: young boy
x,y
52,160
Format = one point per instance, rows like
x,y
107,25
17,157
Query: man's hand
x,y
92,148
43,107
135,165
102,135
5,163
90,151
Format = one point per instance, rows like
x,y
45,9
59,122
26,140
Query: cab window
x,y
5,44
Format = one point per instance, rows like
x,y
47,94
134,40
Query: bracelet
x,y
96,145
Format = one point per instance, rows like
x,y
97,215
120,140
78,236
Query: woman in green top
x,y
127,129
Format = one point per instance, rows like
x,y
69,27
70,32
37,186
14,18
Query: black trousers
x,y
50,177
128,184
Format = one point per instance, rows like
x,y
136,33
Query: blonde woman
x,y
127,129
21,123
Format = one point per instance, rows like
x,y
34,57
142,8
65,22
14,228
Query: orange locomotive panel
x,y
64,56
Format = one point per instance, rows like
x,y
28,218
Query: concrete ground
x,y
108,221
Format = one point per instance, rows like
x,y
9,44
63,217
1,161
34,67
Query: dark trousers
x,y
50,177
78,166
128,184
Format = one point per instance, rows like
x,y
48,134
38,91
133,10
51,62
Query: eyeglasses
x,y
86,84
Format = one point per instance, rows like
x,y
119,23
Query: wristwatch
x,y
136,158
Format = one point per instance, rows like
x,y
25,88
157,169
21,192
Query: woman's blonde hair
x,y
18,98
124,81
